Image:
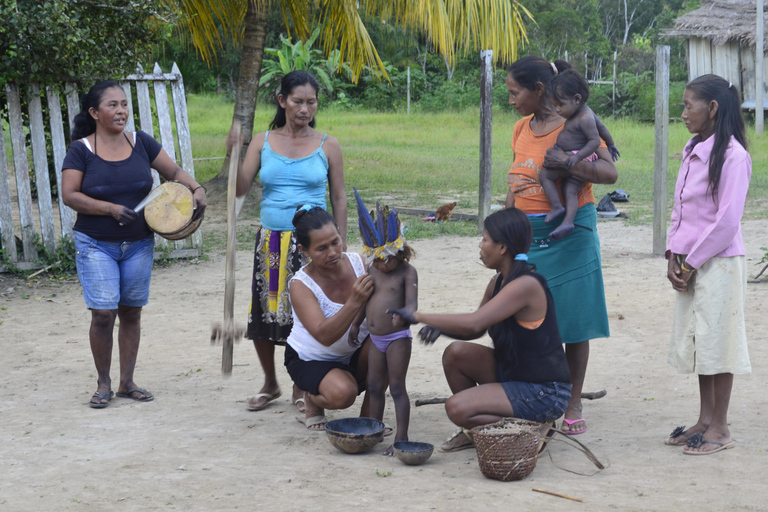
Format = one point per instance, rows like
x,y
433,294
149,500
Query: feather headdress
x,y
383,237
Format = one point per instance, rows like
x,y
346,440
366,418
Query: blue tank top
x,y
288,183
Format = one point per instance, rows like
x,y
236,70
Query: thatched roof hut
x,y
721,40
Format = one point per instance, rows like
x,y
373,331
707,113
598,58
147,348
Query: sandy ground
x,y
196,447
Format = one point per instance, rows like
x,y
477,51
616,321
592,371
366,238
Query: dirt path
x,y
196,447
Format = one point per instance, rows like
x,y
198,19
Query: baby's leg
x,y
398,357
376,382
571,187
547,177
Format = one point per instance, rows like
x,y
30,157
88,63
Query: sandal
x,y
679,431
459,440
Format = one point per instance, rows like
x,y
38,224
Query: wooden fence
x,y
38,222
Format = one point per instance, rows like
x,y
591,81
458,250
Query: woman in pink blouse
x,y
707,264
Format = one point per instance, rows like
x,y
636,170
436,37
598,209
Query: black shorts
x,y
308,374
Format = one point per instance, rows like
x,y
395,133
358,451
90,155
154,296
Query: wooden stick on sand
x,y
558,495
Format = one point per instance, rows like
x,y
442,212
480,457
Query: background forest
x,y
587,33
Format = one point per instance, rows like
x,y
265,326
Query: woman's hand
x,y
200,200
676,275
122,214
233,137
361,290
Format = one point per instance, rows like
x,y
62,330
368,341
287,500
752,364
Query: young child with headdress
x,y
395,286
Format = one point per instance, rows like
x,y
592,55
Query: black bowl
x,y
354,435
413,453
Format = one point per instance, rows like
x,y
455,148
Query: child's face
x,y
566,107
386,266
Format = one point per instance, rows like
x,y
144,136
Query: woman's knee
x,y
103,318
454,354
340,393
456,410
129,314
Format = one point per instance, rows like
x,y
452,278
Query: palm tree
x,y
451,25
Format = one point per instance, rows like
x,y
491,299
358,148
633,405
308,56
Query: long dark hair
x,y
512,228
84,124
529,70
728,120
287,85
306,220
568,84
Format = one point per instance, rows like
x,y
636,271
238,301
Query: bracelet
x,y
685,267
199,186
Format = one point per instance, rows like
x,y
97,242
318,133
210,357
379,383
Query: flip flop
x,y
388,430
300,405
310,423
698,439
270,398
129,394
451,444
570,432
679,431
107,395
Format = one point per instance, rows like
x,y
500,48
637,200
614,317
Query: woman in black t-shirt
x,y
525,374
106,173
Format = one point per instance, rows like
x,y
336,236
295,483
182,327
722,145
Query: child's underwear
x,y
383,341
591,158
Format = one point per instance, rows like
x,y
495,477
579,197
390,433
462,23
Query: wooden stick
x,y
229,273
430,401
558,495
594,395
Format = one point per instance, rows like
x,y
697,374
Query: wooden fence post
x,y
759,71
408,90
613,96
486,128
40,161
59,145
661,152
21,172
6,211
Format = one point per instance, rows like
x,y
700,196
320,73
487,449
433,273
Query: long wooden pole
x,y
759,70
661,152
486,128
228,337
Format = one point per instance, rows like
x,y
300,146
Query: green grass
x,y
427,159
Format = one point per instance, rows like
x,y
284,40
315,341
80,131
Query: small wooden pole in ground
x,y
613,96
486,128
661,153
408,90
759,70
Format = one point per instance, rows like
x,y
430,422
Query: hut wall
x,y
747,55
731,61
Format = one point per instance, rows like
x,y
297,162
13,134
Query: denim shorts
x,y
113,273
538,402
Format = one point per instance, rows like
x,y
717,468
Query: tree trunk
x,y
249,73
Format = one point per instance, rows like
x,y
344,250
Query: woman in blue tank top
x,y
295,163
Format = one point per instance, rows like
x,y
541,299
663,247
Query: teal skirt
x,y
574,274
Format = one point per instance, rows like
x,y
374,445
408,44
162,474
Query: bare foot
x,y
561,231
554,213
390,451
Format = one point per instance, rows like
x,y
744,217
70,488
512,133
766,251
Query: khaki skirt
x,y
710,334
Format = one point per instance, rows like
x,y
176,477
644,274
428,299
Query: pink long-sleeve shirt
x,y
703,228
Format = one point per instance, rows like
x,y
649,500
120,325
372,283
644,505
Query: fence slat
x,y
21,171
59,145
40,161
6,211
129,125
182,132
73,104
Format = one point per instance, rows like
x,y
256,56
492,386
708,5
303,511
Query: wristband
x,y
685,267
199,186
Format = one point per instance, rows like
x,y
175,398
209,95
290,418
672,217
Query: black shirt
x,y
125,182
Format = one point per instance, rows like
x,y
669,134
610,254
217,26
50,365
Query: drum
x,y
170,215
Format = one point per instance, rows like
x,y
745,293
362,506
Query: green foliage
x,y
73,40
60,262
294,56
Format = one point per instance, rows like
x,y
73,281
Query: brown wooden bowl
x,y
354,435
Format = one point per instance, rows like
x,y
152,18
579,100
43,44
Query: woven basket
x,y
507,450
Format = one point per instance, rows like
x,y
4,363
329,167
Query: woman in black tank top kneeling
x,y
525,375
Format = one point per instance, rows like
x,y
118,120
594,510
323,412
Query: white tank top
x,y
307,347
